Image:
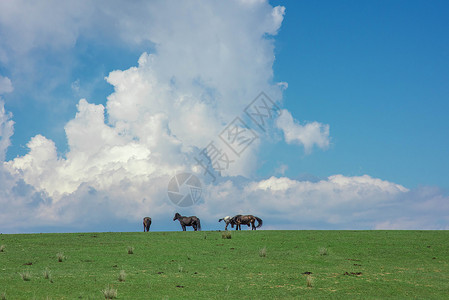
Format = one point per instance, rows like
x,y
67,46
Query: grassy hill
x,y
256,265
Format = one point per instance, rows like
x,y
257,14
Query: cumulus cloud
x,y
210,60
173,103
309,135
192,39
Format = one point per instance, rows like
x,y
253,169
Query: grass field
x,y
204,265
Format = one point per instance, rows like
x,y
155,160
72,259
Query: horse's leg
x,y
183,227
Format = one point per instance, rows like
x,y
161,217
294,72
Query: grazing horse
x,y
227,220
146,224
249,220
188,221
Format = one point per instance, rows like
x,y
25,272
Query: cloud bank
x,y
210,59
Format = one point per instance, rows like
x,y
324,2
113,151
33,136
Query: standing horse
x,y
146,224
232,221
249,220
188,221
227,220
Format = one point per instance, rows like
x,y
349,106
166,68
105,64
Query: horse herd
x,y
194,221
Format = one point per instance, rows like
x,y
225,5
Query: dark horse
x,y
249,220
146,224
188,221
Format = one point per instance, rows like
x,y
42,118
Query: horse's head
x,y
226,219
177,215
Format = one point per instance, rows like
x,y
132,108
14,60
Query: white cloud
x,y
278,16
421,208
5,85
51,24
338,202
211,59
210,62
6,130
37,38
309,135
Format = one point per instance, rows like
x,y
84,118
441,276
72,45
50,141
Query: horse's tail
x,y
199,224
220,220
259,221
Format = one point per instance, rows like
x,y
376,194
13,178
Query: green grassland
x,y
204,265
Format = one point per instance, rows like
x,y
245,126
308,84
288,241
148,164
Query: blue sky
x,y
361,143
377,72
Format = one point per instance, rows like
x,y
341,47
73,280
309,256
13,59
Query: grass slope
x,y
167,265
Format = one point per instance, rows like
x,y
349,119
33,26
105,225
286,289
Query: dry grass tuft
x,y
263,252
309,281
323,251
60,256
25,275
226,235
47,274
122,276
109,293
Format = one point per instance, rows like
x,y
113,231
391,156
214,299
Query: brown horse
x,y
146,224
249,220
188,221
